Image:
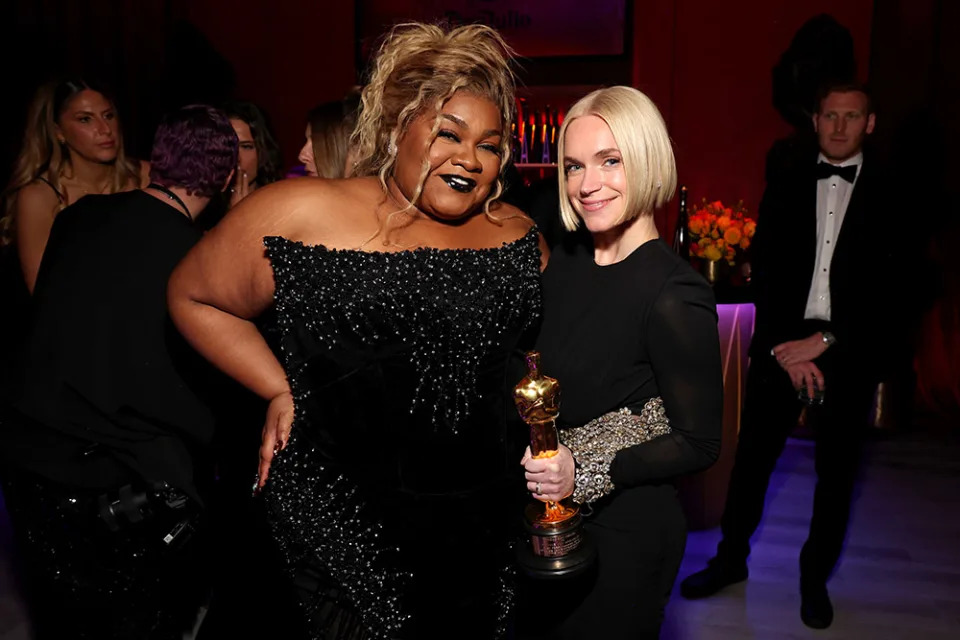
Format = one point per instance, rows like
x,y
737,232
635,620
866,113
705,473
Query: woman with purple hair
x,y
102,452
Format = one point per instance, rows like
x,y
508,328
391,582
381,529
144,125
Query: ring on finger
x,y
539,489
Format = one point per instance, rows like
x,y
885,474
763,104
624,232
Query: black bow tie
x,y
825,170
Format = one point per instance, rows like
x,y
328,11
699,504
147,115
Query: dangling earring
x,y
392,148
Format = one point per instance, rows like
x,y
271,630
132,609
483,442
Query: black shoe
x,y
716,576
816,611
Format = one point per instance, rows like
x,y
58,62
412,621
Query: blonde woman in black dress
x,y
72,147
630,331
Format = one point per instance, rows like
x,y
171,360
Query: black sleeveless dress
x,y
395,500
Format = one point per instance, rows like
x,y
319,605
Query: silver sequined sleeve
x,y
595,444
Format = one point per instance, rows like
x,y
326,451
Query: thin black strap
x,y
170,194
60,197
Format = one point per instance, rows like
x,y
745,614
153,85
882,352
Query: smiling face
x,y
88,126
842,124
596,180
463,160
247,158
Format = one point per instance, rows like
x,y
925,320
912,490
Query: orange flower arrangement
x,y
720,233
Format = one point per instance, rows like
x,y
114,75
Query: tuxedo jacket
x,y
863,273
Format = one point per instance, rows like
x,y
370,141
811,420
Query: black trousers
x,y
625,594
770,413
85,581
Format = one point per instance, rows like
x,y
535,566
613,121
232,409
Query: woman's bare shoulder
x,y
515,223
309,210
37,198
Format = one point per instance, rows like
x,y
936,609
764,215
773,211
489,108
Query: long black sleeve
x,y
684,350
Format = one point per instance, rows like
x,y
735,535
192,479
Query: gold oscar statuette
x,y
558,546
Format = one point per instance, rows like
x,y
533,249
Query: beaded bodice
x,y
408,333
398,363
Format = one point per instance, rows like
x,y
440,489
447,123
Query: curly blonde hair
x,y
416,70
41,155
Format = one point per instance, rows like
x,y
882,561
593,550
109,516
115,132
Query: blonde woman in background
x,y
72,146
329,151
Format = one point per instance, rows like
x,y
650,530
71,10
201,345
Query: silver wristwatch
x,y
828,338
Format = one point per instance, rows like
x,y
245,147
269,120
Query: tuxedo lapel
x,y
807,229
853,218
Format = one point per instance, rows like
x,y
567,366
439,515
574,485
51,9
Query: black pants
x,y
770,413
624,596
85,581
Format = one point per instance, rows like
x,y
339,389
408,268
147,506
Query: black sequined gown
x,y
395,500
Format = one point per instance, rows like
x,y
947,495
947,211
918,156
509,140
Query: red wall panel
x,y
288,56
721,114
705,63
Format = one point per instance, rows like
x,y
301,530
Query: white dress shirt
x,y
833,196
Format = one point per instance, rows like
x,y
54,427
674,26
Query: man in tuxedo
x,y
820,250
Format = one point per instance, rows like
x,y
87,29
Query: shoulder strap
x,y
60,196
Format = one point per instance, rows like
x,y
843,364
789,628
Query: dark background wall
x,y
706,64
159,54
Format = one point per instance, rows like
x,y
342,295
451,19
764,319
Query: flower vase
x,y
711,271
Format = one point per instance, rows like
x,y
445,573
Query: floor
x,y
899,577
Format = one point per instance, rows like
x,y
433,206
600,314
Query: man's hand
x,y
795,351
806,375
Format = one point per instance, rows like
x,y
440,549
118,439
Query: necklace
x,y
73,182
170,194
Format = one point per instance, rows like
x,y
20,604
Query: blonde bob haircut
x,y
416,70
641,135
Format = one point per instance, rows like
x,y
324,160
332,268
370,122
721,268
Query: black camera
x,y
162,506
